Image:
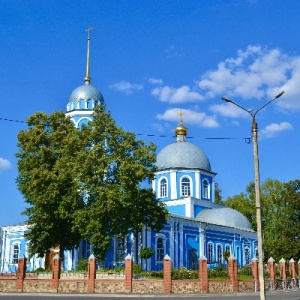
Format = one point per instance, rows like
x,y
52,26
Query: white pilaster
x,y
173,183
197,185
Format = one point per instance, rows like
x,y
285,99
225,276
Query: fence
x,y
90,282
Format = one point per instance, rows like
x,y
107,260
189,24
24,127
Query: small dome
x,y
86,92
224,216
182,155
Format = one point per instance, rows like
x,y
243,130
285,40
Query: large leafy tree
x,y
113,166
46,165
87,183
280,216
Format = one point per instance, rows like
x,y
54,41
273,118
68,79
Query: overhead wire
x,y
246,139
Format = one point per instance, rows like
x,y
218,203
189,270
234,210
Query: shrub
x,y
82,265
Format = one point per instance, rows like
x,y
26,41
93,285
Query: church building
x,y
184,182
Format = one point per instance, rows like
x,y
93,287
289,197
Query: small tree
x,y
146,253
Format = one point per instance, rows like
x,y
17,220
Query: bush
x,y
220,271
183,273
82,265
137,270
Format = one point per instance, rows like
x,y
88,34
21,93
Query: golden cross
x,y
181,113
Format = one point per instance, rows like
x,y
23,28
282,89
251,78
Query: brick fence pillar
x,y
299,268
282,268
167,274
55,273
292,267
21,273
203,274
91,274
232,271
254,267
272,271
128,273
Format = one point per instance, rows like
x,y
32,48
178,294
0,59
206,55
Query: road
x,y
281,295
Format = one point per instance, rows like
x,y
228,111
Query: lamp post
x,y
257,191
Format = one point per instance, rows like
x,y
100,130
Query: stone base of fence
x,y
90,283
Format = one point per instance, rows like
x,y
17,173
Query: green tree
x,y
113,166
218,194
46,180
280,216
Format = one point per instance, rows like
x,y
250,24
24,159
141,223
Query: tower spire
x,y
87,77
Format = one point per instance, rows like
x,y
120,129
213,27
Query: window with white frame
x,y
160,249
219,253
163,188
206,189
210,252
15,253
185,186
247,256
120,249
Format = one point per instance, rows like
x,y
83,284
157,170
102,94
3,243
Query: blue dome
x,y
86,92
182,155
224,216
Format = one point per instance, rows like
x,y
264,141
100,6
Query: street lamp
x,y
257,191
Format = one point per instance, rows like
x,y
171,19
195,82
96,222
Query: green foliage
x,y
146,252
218,194
46,180
280,216
226,255
245,271
183,273
82,265
137,270
112,166
119,269
220,271
84,183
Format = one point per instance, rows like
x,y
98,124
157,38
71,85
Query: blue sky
x,y
150,59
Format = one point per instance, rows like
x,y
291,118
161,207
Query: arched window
x,y
160,249
228,249
163,188
206,189
247,256
15,253
210,252
185,187
120,249
219,253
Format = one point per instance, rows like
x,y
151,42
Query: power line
x,y
247,140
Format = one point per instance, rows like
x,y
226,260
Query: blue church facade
x,y
184,182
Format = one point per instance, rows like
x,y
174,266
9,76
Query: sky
x,y
150,59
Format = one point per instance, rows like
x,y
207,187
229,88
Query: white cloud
x,y
273,129
189,117
4,164
161,127
228,110
126,87
176,95
155,81
257,72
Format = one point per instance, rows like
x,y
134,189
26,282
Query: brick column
x,y
21,273
128,273
167,274
282,267
55,273
232,270
292,268
272,271
254,265
203,274
91,274
299,268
